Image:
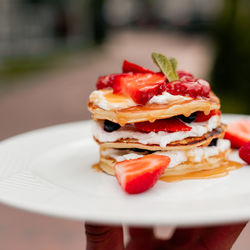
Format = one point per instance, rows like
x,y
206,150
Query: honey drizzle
x,y
121,115
223,170
97,167
117,98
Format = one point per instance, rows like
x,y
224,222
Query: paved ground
x,y
61,96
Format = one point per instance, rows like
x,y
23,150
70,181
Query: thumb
x,y
219,237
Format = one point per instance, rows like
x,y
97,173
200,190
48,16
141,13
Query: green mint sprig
x,y
167,66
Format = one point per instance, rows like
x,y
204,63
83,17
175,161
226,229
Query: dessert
x,y
141,116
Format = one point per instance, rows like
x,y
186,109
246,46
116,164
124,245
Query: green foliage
x,y
166,66
231,72
15,68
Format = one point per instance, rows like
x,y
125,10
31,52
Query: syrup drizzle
x,y
221,171
116,98
143,111
96,167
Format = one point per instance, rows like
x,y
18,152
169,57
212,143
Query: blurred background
x,y
52,51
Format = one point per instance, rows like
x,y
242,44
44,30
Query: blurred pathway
x,y
61,96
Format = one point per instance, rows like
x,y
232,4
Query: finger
x,y
219,238
163,232
101,237
183,238
141,238
140,232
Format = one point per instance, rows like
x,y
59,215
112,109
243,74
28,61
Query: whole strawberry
x,y
244,152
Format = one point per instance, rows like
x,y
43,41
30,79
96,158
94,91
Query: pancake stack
x,y
140,112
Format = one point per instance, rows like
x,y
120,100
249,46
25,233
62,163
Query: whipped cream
x,y
106,100
198,153
122,155
161,138
177,156
166,97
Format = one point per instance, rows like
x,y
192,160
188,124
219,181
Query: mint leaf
x,y
167,67
174,63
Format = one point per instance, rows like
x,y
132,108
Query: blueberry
x,y
138,149
142,150
188,119
213,142
110,126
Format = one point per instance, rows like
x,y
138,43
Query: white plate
x,y
49,171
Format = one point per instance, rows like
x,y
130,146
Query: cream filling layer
x,y
159,138
176,156
106,100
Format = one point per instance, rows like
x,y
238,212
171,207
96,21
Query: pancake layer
x,y
152,112
183,162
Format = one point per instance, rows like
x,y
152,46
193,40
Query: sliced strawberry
x,y
244,152
141,87
238,133
138,175
132,67
201,117
188,86
169,125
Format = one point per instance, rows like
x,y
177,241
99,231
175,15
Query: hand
x,y
206,238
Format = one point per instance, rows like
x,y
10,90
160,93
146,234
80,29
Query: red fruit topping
x,y
196,88
201,117
238,133
188,85
169,125
137,176
131,67
141,87
244,152
105,81
183,75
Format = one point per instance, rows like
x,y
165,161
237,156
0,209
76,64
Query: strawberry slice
x,y
238,133
132,67
141,87
201,117
172,124
138,175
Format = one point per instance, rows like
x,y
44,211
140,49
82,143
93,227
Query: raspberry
x,y
189,87
244,152
107,81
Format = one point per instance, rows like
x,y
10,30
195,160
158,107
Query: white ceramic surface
x,y
49,171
